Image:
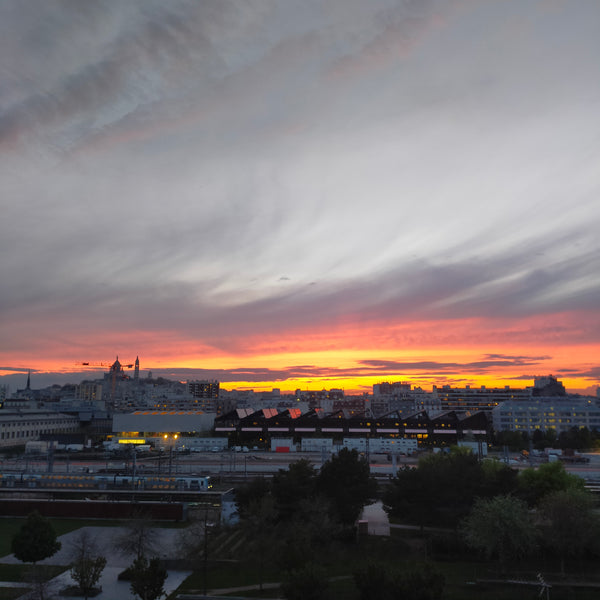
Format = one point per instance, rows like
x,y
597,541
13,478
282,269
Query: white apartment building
x,y
557,412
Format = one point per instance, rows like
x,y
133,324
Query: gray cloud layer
x,y
218,169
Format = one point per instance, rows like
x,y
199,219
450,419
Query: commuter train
x,y
104,482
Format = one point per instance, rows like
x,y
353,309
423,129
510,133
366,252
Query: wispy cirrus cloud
x,y
227,179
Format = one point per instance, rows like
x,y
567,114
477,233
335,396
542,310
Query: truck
x,y
74,447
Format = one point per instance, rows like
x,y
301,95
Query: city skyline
x,y
306,194
233,379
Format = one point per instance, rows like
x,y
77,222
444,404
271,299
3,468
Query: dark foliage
x,y
535,484
413,582
35,540
443,488
307,583
345,480
292,486
253,491
148,578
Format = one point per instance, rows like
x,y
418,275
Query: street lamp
x,y
171,442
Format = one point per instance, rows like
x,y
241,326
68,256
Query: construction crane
x,y
92,364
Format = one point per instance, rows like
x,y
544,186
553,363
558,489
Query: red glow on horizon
x,y
475,352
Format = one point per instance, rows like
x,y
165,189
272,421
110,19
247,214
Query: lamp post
x,y
171,440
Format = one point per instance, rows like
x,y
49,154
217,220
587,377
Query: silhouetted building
x,y
548,386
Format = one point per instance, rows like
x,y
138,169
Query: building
x,y
482,398
205,394
156,424
17,427
548,386
89,391
402,398
560,413
258,427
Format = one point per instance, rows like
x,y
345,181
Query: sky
x,y
301,194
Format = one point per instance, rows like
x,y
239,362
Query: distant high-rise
x,y
548,386
136,373
205,394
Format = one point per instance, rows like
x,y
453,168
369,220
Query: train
x,y
104,482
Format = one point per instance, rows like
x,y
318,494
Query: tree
x,y
346,481
139,538
256,489
35,540
442,489
88,564
308,534
568,523
513,439
501,527
498,479
148,578
293,485
307,583
534,484
577,438
198,542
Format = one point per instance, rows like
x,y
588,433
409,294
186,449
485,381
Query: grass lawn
x,y
463,577
19,572
10,525
7,593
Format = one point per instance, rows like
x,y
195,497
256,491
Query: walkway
x,y
112,588
377,518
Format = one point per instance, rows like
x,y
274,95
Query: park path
x,y
377,518
112,588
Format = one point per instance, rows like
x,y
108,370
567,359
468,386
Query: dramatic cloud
x,y
222,181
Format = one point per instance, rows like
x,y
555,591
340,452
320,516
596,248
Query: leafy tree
x,y
346,481
498,479
148,578
378,581
309,533
515,440
307,583
577,438
35,540
88,564
442,489
568,523
293,485
410,496
501,527
534,484
251,492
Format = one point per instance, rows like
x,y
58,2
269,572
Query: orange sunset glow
x,y
354,359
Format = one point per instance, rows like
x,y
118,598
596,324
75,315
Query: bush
x,y
308,583
413,582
